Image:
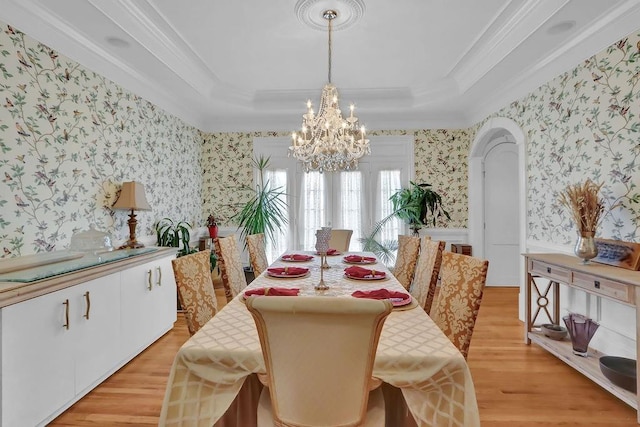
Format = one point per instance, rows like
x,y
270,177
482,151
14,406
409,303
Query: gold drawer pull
x,y
66,313
88,300
159,282
150,285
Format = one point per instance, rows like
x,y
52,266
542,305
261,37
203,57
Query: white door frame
x,y
495,128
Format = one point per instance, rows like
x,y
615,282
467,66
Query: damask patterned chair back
x,y
340,239
231,270
257,253
319,354
425,280
462,280
408,247
195,288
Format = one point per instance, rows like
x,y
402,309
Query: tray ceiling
x,y
252,64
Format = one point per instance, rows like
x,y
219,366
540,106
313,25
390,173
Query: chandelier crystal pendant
x,y
327,141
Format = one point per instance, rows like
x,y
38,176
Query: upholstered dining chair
x,y
340,239
462,280
195,288
405,266
319,354
257,255
231,269
425,279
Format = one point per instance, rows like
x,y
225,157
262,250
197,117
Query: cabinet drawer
x,y
603,287
550,271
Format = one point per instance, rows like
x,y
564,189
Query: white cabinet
x,y
57,346
98,330
52,351
148,301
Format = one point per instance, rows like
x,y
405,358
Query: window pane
x,y
313,207
351,206
278,179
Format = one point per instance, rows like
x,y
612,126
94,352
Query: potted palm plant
x,y
266,208
417,205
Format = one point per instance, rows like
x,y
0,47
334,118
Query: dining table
x,y
413,356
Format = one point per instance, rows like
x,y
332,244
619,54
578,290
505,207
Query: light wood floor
x,y
516,384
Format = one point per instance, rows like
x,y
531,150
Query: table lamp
x,y
132,198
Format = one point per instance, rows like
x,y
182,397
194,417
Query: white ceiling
x,y
241,65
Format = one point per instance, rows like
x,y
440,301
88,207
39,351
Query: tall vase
x,y
322,246
581,330
586,248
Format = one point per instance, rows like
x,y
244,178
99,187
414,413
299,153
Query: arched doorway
x,y
495,136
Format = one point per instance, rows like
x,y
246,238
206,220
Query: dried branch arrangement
x,y
584,204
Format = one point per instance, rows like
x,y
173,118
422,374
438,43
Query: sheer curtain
x,y
278,179
313,207
350,206
389,181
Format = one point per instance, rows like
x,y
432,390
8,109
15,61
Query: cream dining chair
x,y
257,255
462,281
231,269
340,239
427,272
319,354
195,288
408,247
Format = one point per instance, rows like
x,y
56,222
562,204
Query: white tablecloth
x,y
413,355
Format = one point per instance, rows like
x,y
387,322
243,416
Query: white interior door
x,y
501,214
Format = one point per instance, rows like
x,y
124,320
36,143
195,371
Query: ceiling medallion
x,y
327,142
310,12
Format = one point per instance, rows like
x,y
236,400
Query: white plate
x,y
287,276
399,302
288,258
363,262
366,278
337,253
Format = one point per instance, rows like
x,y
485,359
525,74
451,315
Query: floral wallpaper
x,y
584,124
440,160
68,139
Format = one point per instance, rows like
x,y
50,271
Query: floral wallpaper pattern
x,y
68,139
584,124
440,160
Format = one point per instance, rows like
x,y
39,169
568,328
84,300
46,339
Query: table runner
x,y
413,355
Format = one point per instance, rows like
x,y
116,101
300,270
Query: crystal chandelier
x,y
327,142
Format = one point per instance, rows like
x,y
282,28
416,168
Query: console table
x,y
613,283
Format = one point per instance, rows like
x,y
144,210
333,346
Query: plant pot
x,y
213,231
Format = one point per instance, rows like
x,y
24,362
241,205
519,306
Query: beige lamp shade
x,y
132,197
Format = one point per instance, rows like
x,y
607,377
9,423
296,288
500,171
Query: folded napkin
x,y
358,258
297,257
380,294
332,251
274,292
359,272
292,271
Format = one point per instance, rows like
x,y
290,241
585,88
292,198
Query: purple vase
x,y
581,330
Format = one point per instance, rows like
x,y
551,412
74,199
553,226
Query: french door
x,y
353,200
